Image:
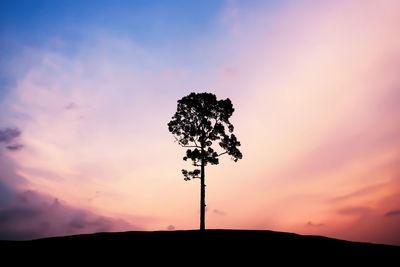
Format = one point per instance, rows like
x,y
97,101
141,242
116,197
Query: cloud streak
x,y
14,147
392,213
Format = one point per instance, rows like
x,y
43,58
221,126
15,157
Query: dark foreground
x,y
209,246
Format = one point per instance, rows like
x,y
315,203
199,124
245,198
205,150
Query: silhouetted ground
x,y
211,246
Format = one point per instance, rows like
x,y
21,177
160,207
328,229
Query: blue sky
x,y
148,21
152,24
173,28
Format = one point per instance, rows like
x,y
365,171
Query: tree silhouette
x,y
200,120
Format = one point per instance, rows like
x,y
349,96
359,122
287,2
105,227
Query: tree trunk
x,y
202,196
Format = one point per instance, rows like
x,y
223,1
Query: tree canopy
x,y
201,120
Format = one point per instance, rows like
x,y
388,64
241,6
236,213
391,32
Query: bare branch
x,y
176,139
208,132
222,153
179,142
196,143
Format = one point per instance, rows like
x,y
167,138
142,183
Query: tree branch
x,y
222,153
179,142
208,132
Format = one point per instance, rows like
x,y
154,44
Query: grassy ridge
x,y
208,246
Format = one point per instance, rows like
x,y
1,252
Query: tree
x,y
200,120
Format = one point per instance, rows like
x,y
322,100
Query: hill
x,y
211,245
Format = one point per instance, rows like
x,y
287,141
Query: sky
x,y
87,90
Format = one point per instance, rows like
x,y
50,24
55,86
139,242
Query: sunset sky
x,y
87,89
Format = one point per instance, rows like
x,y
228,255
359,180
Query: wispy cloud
x,y
359,193
392,213
218,212
14,147
8,135
71,105
354,211
311,224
